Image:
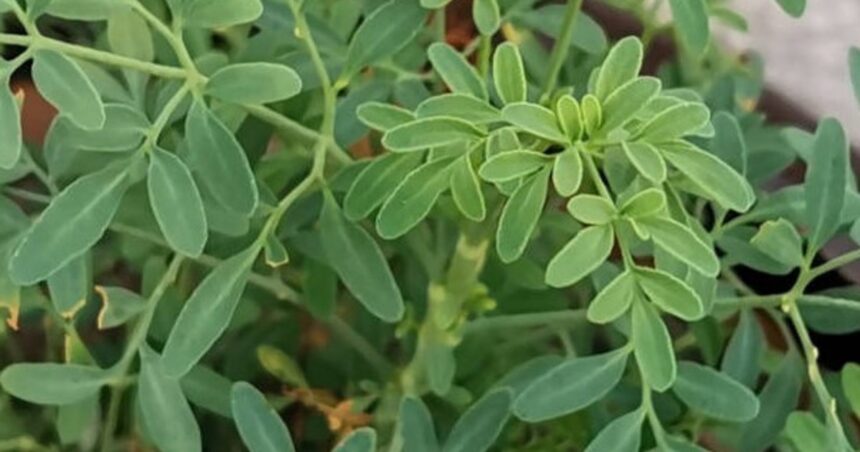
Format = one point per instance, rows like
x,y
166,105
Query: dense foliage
x,y
542,249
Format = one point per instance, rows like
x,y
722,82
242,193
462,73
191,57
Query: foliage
x,y
544,252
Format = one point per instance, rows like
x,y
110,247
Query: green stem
x,y
112,417
561,46
835,263
595,177
653,419
557,319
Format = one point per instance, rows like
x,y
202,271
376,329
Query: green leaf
x,y
281,366
220,162
207,389
84,9
670,294
653,347
623,434
383,117
591,209
163,407
428,133
254,83
644,204
207,313
12,219
457,73
691,22
259,425
128,34
776,401
413,198
723,184
478,428
63,83
360,440
119,305
794,8
520,217
851,386
570,117
744,352
376,182
487,16
614,300
461,106
360,264
11,142
682,243
626,101
807,433
534,119
581,256
74,221
714,394
854,69
508,73
621,65
415,430
466,190
570,386
647,160
548,20
567,172
218,13
674,122
828,315
51,383
728,143
124,130
780,240
825,182
176,203
383,33
70,286
592,114
275,253
513,165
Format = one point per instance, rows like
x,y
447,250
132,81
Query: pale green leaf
x,y
176,203
647,160
592,114
682,243
63,83
51,383
461,106
219,13
591,209
384,32
74,221
509,74
383,117
487,16
653,347
415,431
714,394
163,407
520,216
691,22
674,122
644,204
570,117
254,83
512,165
614,300
220,162
779,240
478,428
581,256
206,314
621,65
376,182
360,264
825,182
570,386
728,143
670,293
534,119
428,133
259,425
567,172
11,143
118,306
623,434
626,101
413,198
457,73
466,190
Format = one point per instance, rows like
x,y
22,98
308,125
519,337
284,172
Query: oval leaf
x,y
254,83
581,256
714,394
478,428
63,83
51,383
176,203
164,409
259,425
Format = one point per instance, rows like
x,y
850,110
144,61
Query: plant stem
x,y
559,319
835,263
561,46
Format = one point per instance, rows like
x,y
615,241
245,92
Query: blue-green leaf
x,y
259,425
825,182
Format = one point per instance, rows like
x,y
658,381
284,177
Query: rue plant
x,y
296,225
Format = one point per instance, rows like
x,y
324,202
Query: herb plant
x,y
540,248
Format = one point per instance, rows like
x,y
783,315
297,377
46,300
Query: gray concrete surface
x,y
806,58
